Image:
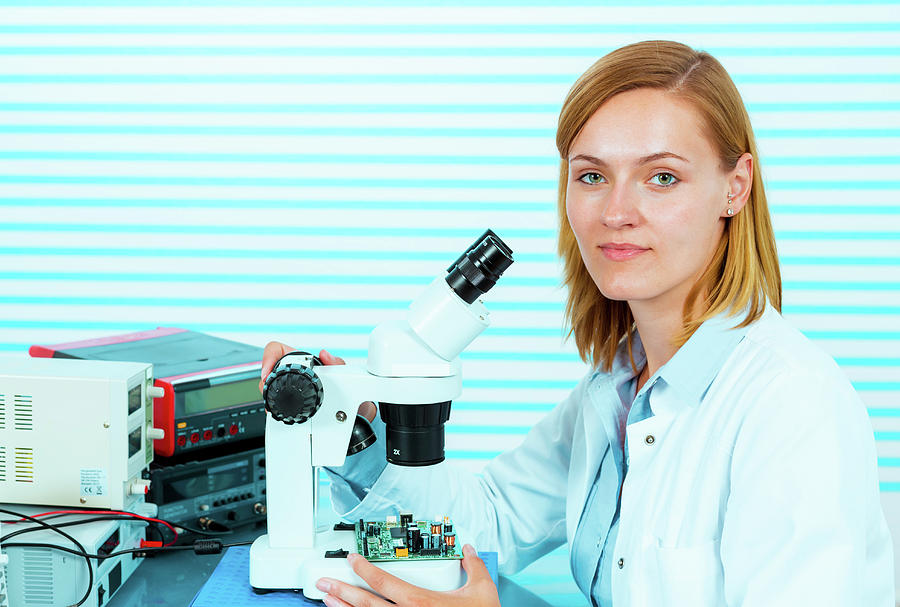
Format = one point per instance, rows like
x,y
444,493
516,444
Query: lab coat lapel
x,y
599,430
587,455
601,415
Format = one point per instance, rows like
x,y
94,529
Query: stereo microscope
x,y
413,372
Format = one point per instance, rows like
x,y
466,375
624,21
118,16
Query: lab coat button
x,y
650,439
621,563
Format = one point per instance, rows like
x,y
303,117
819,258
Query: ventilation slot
x,y
24,465
2,464
23,412
2,412
4,590
37,581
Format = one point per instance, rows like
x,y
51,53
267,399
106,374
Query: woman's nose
x,y
619,207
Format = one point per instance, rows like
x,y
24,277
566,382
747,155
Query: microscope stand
x,y
297,558
300,568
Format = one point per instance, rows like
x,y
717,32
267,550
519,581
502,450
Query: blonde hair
x,y
743,272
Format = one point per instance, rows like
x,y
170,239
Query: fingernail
x,y
323,585
468,550
330,601
351,558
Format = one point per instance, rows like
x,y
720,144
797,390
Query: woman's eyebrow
x,y
640,161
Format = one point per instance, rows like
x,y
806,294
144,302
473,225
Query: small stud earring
x,y
730,201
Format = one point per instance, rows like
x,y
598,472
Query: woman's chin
x,y
621,292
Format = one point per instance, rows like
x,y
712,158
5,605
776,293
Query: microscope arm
x,y
294,450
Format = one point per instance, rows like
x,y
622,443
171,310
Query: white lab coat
x,y
764,493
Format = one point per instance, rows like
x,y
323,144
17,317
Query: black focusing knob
x,y
292,393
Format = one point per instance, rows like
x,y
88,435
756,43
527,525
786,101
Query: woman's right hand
x,y
275,350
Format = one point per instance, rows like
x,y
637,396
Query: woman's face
x,y
647,197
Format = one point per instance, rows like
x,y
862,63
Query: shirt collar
x,y
694,366
622,370
697,363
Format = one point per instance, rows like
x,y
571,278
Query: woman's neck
x,y
658,323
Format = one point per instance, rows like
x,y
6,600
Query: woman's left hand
x,y
479,590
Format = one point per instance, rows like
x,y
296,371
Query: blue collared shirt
x,y
691,370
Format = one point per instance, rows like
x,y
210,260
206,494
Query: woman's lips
x,y
621,252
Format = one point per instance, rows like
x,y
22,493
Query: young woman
x,y
711,455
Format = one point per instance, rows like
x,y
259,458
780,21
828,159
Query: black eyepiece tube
x,y
415,433
480,267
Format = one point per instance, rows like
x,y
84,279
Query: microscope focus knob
x,y
292,393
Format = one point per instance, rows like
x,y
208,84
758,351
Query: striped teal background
x,y
299,170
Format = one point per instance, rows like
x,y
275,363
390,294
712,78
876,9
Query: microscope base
x,y
299,568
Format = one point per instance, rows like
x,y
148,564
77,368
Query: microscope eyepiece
x,y
477,270
415,431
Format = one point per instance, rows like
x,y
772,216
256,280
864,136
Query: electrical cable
x,y
87,560
119,515
203,531
103,515
177,526
121,512
200,547
109,517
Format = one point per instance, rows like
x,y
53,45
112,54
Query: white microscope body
x,y
411,362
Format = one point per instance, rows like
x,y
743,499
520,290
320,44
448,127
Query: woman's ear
x,y
739,182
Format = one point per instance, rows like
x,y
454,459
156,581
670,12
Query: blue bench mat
x,y
229,584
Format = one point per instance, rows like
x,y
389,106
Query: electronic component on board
x,y
392,540
449,539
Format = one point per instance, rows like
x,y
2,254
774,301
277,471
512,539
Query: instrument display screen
x,y
220,396
134,442
210,480
134,399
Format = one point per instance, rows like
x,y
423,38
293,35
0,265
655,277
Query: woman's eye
x,y
591,178
663,179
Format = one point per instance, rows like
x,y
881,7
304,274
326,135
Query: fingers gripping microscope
x,y
413,372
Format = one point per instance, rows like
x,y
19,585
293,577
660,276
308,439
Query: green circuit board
x,y
404,538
